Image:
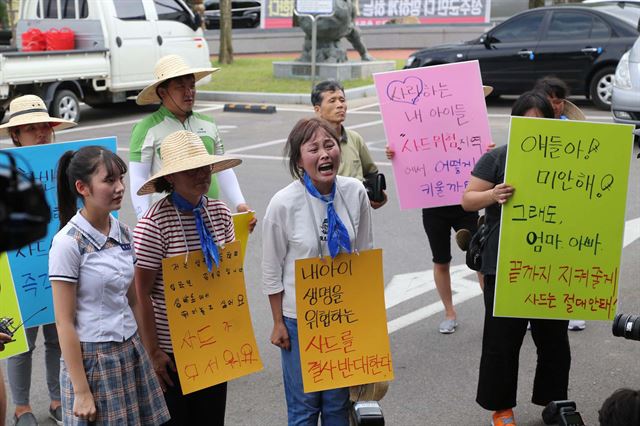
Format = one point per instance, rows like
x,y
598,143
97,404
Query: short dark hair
x,y
622,408
532,99
552,87
301,133
324,86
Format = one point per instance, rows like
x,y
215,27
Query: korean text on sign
x,y
435,119
209,319
561,232
342,324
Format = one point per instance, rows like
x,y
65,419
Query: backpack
x,y
476,245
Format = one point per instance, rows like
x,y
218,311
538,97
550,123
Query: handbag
x,y
476,245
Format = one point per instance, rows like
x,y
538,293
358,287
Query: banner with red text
x,y
342,321
209,320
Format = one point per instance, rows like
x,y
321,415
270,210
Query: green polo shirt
x,y
147,135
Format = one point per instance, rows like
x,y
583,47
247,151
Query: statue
x,y
330,31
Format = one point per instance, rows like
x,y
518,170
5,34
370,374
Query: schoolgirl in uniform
x,y
106,377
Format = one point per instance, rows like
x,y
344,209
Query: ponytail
x,y
67,194
80,166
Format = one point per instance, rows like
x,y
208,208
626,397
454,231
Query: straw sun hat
x,y
572,112
168,67
30,109
182,151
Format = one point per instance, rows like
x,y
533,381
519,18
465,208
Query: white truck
x,y
117,43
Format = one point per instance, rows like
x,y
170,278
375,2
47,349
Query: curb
x,y
278,98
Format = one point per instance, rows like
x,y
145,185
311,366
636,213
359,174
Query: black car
x,y
579,44
244,14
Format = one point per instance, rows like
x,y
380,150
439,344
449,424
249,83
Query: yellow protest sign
x,y
209,319
241,226
10,311
561,232
342,321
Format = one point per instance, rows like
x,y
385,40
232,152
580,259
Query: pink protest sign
x,y
435,119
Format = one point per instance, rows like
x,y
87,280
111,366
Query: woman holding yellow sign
x,y
319,213
502,336
184,221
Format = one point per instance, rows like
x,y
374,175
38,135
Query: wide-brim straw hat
x,y
182,151
168,67
572,112
30,109
487,90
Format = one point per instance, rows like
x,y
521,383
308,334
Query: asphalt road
x,y
435,375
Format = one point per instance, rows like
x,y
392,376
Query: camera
x,y
24,212
562,413
627,326
367,413
375,184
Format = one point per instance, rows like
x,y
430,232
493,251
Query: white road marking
x,y
124,122
464,284
281,141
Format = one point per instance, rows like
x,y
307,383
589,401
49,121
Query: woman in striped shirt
x,y
185,220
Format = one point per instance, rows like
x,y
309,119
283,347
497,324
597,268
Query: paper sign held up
x,y
342,326
561,232
435,120
209,320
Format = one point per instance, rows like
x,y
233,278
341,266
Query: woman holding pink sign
x,y
502,337
438,223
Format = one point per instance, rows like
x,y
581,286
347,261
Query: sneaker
x,y
577,325
503,418
448,326
25,419
56,415
463,238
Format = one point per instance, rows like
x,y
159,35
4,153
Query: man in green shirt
x,y
175,90
329,103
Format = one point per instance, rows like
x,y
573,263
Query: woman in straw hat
x,y
319,213
502,337
30,124
106,376
438,223
185,220
175,89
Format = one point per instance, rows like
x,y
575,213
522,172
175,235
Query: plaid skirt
x,y
123,383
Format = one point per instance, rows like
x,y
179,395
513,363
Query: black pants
x,y
501,342
204,407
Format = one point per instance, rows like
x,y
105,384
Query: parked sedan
x,y
625,102
579,44
244,14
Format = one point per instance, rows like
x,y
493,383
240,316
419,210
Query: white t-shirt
x,y
288,232
102,268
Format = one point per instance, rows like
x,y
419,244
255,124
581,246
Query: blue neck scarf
x,y
209,247
338,236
